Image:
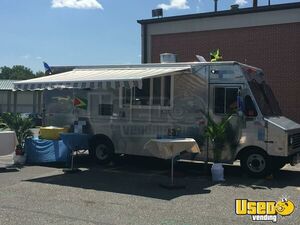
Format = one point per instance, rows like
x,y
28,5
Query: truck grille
x,y
295,140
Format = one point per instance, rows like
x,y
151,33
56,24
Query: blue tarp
x,y
76,141
45,151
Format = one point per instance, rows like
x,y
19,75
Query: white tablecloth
x,y
8,142
168,148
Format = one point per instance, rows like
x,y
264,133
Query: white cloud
x,y
241,2
26,56
77,4
199,6
175,4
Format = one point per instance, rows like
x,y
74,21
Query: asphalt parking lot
x,y
128,192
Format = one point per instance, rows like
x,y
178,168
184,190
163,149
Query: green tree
x,y
5,72
39,74
17,72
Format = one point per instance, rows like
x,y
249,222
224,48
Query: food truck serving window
x,y
154,92
225,99
100,104
142,96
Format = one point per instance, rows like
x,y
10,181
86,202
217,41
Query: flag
x,y
80,103
48,70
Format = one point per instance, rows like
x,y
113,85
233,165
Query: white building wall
x,y
24,102
3,101
20,102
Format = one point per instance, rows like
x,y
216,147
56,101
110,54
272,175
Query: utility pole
x,y
254,3
216,5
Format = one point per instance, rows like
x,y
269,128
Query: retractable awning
x,y
98,78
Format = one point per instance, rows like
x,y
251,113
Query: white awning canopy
x,y
94,78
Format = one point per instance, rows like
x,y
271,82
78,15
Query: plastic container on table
x,y
52,133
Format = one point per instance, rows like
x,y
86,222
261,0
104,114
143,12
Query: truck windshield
x,y
265,98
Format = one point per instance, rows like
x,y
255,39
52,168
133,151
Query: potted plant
x,y
21,126
3,126
216,134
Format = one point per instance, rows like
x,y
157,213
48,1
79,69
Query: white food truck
x,y
126,106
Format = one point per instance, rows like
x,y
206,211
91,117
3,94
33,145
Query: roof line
x,y
222,13
1,80
145,65
6,84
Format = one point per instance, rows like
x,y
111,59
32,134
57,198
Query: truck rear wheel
x,y
256,163
102,151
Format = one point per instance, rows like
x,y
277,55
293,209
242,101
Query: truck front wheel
x,y
102,151
256,163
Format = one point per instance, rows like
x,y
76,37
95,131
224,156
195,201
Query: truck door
x,y
224,101
253,128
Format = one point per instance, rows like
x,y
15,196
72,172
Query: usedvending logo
x,y
264,210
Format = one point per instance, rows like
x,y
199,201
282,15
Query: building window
x,y
155,92
225,100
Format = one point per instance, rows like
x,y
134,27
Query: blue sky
x,y
90,32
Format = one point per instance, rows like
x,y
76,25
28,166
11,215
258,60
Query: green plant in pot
x,y
21,126
3,126
216,132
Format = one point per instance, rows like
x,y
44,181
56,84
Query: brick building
x,y
267,37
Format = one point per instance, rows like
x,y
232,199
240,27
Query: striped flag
x,y
80,103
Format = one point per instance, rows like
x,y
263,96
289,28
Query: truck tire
x,y
256,163
102,151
